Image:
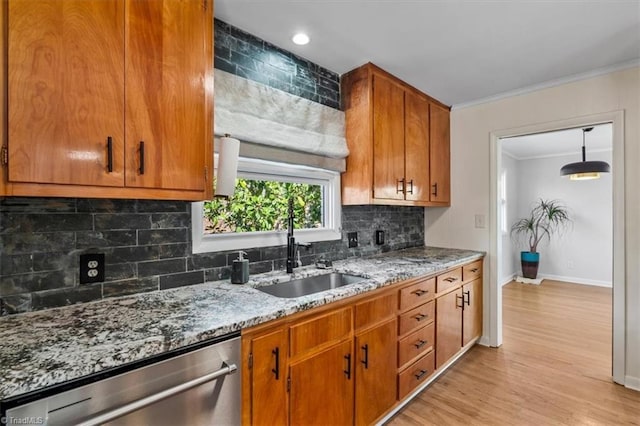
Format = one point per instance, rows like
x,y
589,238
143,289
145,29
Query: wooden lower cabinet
x,y
472,311
374,372
322,388
448,326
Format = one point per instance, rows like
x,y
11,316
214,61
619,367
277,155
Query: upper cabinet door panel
x,y
416,147
66,91
440,156
388,139
168,61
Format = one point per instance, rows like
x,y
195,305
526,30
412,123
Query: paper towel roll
x,y
227,166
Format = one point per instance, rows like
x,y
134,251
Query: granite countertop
x,y
44,348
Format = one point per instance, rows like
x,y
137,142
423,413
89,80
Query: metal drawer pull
x,y
420,317
474,270
400,186
435,189
450,279
420,374
152,399
420,343
365,348
109,154
276,370
410,191
420,292
141,170
347,372
468,301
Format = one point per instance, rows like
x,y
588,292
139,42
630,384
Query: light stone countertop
x,y
45,348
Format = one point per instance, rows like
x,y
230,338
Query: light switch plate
x,y
480,221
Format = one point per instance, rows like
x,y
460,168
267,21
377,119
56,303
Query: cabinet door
x,y
472,311
448,326
416,147
66,91
375,375
322,388
440,156
166,68
388,139
268,379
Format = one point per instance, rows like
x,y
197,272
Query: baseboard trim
x,y
632,383
509,278
574,280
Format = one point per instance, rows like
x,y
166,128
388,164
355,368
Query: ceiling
x,y
561,142
458,51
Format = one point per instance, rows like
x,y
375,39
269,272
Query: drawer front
x,y
326,328
472,271
417,294
417,317
449,280
415,344
416,374
375,310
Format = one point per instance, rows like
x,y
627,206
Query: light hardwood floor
x,y
554,367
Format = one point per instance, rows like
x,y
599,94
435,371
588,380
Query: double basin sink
x,y
309,285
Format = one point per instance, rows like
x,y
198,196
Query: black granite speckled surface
x,y
44,348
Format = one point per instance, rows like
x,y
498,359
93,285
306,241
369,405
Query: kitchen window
x,y
256,215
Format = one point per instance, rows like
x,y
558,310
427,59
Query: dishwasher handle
x,y
151,399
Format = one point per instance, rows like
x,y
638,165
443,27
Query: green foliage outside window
x,y
263,206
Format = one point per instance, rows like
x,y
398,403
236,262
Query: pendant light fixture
x,y
584,170
227,166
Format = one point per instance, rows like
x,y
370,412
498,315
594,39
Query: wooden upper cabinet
x,y
66,91
440,155
388,139
390,133
416,147
166,122
109,98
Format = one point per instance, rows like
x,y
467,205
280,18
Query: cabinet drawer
x,y
375,310
416,374
472,271
330,327
449,280
417,317
418,293
418,342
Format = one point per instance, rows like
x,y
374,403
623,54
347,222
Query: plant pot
x,y
530,262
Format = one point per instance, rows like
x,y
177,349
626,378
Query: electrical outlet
x,y
91,268
379,237
352,238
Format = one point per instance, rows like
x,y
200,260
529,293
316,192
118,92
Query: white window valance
x,y
259,114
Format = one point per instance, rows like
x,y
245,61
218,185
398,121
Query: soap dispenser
x,y
240,269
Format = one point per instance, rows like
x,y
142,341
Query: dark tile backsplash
x,y
247,56
147,247
147,244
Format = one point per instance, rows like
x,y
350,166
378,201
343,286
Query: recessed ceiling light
x,y
300,38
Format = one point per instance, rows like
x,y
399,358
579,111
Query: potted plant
x,y
547,217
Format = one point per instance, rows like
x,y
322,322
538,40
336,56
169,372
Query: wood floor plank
x,y
554,367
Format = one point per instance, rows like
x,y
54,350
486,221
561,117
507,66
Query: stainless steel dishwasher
x,y
193,386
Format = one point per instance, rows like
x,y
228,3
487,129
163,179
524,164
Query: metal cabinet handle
x,y
435,189
450,279
347,372
152,399
468,301
420,317
461,298
276,370
410,191
400,186
109,154
474,270
365,348
420,343
141,158
420,292
420,374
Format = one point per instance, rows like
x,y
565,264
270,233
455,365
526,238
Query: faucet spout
x,y
291,241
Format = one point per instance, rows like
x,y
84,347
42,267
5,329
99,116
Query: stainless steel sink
x,y
310,285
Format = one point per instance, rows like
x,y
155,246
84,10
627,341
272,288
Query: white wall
x,y
510,263
582,253
471,130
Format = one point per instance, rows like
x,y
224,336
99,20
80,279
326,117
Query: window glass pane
x,y
262,205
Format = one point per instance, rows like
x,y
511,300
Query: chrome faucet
x,y
291,242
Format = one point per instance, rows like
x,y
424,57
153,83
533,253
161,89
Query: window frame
x,y
250,168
